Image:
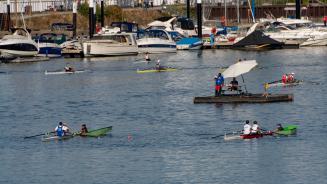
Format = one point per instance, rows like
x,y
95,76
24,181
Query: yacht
x,y
156,41
49,44
182,25
303,31
111,44
19,44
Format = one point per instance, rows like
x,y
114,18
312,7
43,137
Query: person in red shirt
x,y
284,78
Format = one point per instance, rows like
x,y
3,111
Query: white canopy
x,y
239,68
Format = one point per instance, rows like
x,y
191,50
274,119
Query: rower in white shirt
x,y
247,128
255,128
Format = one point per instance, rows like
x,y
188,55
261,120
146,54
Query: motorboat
x,y
111,44
49,44
19,44
182,25
303,31
156,41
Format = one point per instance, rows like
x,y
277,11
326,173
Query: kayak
x,y
288,130
53,137
234,136
62,72
281,84
156,70
96,133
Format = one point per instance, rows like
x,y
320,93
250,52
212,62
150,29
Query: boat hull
x,y
62,72
245,98
281,84
105,49
155,70
288,130
53,137
97,132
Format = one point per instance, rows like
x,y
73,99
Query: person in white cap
x,y
158,64
290,77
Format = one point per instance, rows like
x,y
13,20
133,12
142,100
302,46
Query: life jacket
x,y
220,81
290,78
60,132
247,129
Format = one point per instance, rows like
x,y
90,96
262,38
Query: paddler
x,y
247,128
255,128
284,78
83,130
279,127
219,79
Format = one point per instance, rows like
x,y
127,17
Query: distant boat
x,y
111,44
49,44
19,44
156,41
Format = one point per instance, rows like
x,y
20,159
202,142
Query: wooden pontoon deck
x,y
244,98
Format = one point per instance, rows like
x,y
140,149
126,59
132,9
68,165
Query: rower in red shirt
x,y
284,78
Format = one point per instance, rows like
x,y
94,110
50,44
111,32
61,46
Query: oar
x,y
36,135
226,134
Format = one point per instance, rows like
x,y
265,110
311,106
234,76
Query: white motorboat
x,y
303,31
49,44
19,44
156,41
182,25
107,44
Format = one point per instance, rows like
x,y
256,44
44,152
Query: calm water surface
x,y
169,136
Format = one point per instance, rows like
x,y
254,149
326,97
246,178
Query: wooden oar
x,y
36,135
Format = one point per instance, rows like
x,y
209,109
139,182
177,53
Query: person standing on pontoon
x,y
219,84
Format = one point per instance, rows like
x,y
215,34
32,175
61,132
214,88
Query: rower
x,y
83,130
290,77
69,69
147,58
158,65
219,84
247,128
284,78
62,129
234,84
255,128
279,127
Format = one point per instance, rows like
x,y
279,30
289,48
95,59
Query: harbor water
x,y
159,135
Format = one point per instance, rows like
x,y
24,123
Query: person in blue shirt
x,y
219,84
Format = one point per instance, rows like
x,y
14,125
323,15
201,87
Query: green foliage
x,y
83,9
113,12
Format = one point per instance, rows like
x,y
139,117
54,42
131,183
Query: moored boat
x,y
96,133
244,98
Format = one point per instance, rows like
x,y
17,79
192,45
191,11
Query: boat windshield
x,y
116,38
155,34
